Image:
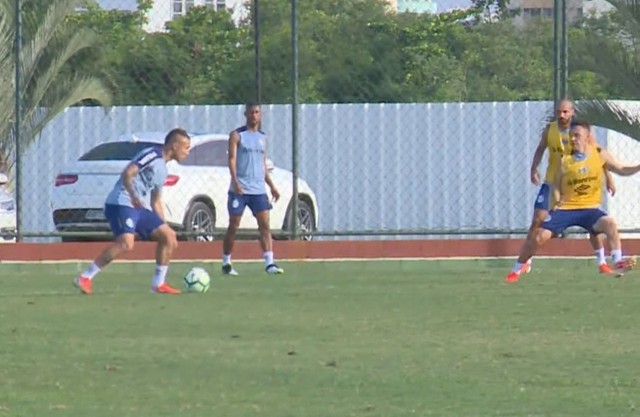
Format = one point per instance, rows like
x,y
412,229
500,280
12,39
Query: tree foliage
x,y
611,51
349,51
51,75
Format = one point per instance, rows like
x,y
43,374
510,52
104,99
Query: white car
x,y
7,212
194,194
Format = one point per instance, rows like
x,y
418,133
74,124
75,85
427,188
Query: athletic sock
x,y
268,258
616,254
160,275
91,271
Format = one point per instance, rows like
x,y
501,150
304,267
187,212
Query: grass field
x,y
400,338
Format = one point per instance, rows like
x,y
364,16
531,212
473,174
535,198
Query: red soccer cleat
x,y
624,265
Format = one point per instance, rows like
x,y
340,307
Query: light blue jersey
x,y
151,176
250,161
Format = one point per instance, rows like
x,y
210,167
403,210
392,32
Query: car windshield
x,y
116,151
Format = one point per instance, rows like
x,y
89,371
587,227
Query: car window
x,y
212,153
116,151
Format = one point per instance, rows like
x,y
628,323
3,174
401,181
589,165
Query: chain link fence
x,y
396,134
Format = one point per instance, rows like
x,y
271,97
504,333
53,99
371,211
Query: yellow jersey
x,y
582,178
558,145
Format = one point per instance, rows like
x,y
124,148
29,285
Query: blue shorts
x,y
256,202
543,200
123,219
559,220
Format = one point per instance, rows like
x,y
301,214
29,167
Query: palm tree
x,y
51,68
613,51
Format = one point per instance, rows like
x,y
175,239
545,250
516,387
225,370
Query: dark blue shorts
x,y
559,220
125,219
256,202
543,200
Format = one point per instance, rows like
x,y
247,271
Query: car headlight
x,y
8,206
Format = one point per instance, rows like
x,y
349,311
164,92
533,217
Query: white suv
x,y
7,212
195,192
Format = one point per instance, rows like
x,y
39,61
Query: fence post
x,y
294,114
18,118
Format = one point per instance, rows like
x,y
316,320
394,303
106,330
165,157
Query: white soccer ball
x,y
197,280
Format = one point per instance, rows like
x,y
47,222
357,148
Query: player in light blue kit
x,y
134,205
247,165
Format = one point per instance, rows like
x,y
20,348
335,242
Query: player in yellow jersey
x,y
578,193
556,139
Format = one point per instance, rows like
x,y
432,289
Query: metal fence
x,y
376,169
369,163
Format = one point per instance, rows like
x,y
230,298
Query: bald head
x,y
565,113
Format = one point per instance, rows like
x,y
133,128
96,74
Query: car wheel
x,y
200,219
306,221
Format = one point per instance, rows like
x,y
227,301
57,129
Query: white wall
x,y
372,166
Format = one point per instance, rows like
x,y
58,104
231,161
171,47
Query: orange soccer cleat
x,y
605,269
512,277
84,284
165,289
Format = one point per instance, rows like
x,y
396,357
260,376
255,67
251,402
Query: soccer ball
x,y
197,280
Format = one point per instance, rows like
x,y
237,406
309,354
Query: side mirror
x,y
4,179
270,165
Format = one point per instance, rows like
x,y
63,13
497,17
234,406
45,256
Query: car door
x,y
206,173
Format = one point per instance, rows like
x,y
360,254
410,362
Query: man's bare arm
x,y
537,157
234,140
156,203
557,185
128,175
615,166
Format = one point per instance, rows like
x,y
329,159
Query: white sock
x,y
600,256
91,271
160,275
517,267
226,259
616,255
268,258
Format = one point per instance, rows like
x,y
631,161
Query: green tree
x,y
121,34
344,56
431,69
50,82
611,49
206,42
505,62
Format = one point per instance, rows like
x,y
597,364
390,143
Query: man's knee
x,y
541,236
126,242
606,224
263,221
234,223
167,236
172,238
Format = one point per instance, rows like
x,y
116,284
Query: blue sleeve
x,y
146,157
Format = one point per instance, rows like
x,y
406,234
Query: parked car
x,y
194,194
8,217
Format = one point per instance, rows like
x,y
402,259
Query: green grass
x,y
402,338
